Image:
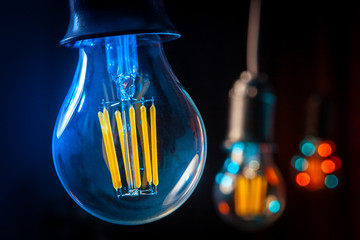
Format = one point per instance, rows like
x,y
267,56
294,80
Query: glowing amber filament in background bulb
x,y
249,191
315,173
249,196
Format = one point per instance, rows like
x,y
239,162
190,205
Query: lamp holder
x,y
251,113
102,18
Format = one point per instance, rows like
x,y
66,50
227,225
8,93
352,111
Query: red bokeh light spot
x,y
302,179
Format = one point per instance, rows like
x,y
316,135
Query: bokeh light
x,y
337,162
324,150
233,167
307,148
223,208
331,181
327,166
274,206
303,179
314,163
271,176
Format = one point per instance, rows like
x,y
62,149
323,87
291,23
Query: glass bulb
x,y
249,192
129,144
316,165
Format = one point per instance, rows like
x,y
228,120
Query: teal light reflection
x,y
238,148
331,181
301,164
307,148
274,206
233,167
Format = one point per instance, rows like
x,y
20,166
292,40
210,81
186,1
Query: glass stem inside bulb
x,y
122,64
135,144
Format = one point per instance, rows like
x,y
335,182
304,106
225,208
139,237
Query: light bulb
x,y
316,166
249,192
129,144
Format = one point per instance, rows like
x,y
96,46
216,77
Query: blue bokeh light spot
x,y
274,206
307,148
219,177
233,167
238,148
331,181
226,181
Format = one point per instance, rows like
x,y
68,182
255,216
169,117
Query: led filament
x,y
249,196
248,191
317,165
138,164
141,177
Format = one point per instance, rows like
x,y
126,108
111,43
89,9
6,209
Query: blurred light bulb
x,y
249,192
316,166
129,144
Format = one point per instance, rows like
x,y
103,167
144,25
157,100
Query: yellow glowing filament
x,y
110,148
154,145
241,196
249,196
144,126
126,160
128,123
256,189
134,145
264,184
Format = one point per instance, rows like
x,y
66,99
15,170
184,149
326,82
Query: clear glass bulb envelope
x,y
249,191
129,144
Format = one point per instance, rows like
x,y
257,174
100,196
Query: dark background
x,y
304,48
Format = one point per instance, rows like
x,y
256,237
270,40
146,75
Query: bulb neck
x,y
129,64
321,117
101,18
251,113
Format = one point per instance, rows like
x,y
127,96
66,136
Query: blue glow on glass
x,y
219,177
307,148
238,148
331,181
81,102
226,181
122,64
233,167
274,206
227,162
100,148
268,97
73,99
252,150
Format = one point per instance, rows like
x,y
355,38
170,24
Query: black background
x,y
305,47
